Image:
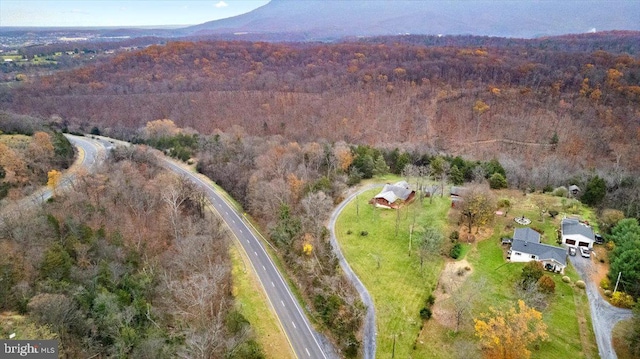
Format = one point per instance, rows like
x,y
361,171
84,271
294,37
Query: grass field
x,y
399,286
254,305
397,283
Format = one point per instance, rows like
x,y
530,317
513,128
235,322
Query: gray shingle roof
x,y
526,234
392,192
572,226
542,251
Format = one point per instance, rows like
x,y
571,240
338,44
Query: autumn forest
x,y
285,129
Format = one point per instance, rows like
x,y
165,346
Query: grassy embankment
x,y
399,287
254,305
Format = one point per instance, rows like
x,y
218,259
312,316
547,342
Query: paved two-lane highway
x,y
301,336
303,339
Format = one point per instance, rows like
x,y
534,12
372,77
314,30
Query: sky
x,y
130,13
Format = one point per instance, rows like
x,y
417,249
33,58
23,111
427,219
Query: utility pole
x,y
410,235
617,282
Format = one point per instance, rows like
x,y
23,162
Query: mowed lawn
x,y
399,286
392,274
567,316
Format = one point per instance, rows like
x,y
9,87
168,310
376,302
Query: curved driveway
x,y
369,336
604,316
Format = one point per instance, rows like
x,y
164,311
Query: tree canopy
x,y
508,334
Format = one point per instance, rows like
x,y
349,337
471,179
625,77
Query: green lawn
x,y
399,286
397,283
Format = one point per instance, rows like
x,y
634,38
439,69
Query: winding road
x,y
369,336
305,342
604,316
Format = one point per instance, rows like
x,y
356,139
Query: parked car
x,y
584,251
506,240
572,251
599,239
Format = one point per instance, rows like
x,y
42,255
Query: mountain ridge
x,y
318,19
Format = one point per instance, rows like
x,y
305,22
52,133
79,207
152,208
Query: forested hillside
x,y
461,100
30,154
119,268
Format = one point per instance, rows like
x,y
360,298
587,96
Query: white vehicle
x,y
572,251
584,251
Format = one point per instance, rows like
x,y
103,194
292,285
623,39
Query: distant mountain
x,y
331,19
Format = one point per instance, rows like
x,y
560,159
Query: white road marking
x,y
273,284
240,230
294,325
227,213
255,252
233,221
309,354
265,269
282,303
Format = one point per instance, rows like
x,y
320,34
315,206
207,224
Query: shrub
x,y
580,284
605,284
531,273
454,236
430,300
497,181
608,293
553,213
425,313
561,191
566,279
610,246
622,300
546,284
364,233
455,251
349,231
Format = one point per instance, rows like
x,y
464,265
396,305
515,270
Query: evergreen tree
x,y
594,192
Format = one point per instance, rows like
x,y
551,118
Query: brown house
x,y
393,195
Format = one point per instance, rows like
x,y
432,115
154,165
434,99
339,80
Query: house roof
x,y
457,191
542,251
572,226
526,234
391,192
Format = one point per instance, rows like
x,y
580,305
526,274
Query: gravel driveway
x,y
369,335
604,316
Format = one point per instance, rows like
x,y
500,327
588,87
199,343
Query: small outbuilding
x,y
574,190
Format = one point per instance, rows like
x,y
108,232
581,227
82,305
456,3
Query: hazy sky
x,y
119,12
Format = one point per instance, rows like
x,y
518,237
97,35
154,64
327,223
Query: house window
x,y
533,256
518,253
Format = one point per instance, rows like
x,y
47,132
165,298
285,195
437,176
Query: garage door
x,y
571,242
583,244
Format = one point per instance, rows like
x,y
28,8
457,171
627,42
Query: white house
x,y
526,247
577,234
